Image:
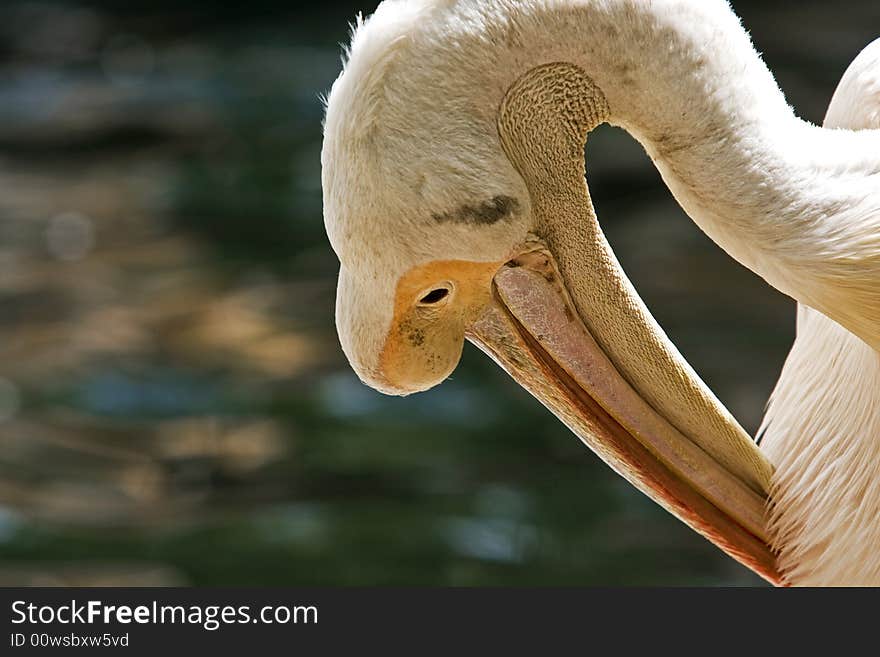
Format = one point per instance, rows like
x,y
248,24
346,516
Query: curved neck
x,y
797,204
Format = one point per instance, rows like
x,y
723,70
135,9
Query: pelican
x,y
455,199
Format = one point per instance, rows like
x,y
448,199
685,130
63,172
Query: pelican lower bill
x,y
532,330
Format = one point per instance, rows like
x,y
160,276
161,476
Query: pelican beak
x,y
533,330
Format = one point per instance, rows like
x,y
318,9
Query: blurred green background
x,y
174,408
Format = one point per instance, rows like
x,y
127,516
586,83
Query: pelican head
x,y
454,198
421,205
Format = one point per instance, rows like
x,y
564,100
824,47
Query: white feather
x,y
822,427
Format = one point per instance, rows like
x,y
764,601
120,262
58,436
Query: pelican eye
x,y
435,296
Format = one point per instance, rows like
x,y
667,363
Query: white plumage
x,y
822,426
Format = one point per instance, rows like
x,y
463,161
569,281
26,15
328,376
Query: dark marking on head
x,y
486,213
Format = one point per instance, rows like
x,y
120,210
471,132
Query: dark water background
x,y
173,404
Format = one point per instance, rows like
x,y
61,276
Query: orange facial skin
x,y
426,336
